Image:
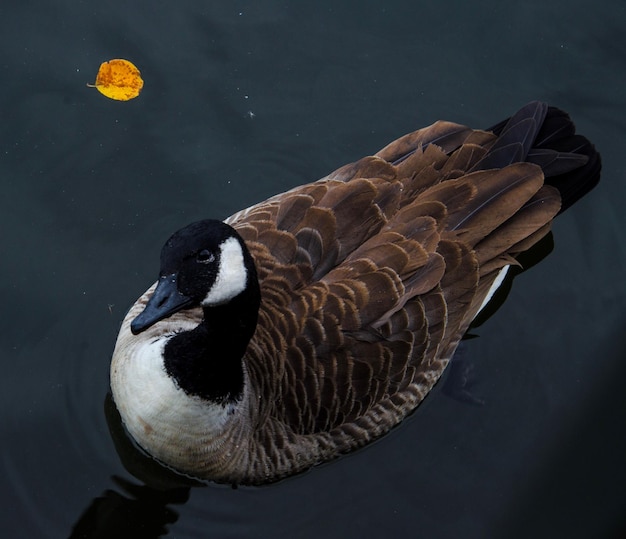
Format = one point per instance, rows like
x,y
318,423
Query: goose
x,y
310,324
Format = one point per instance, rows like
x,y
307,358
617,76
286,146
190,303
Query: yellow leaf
x,y
118,79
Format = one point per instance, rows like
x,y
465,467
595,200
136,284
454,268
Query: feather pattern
x,y
369,278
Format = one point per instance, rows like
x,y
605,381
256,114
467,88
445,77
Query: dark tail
x,y
547,137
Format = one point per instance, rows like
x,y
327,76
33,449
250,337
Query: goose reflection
x,y
141,511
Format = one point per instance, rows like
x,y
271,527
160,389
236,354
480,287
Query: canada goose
x,y
310,324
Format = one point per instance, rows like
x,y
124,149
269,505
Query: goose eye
x,y
205,256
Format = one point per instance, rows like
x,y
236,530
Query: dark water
x,y
246,99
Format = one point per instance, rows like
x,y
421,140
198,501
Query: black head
x,y
205,263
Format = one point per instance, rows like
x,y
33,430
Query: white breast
x,y
161,417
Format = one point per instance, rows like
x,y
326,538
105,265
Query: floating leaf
x,y
118,79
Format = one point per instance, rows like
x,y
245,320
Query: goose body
x,y
312,323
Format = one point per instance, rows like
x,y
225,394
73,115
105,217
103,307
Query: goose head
x,y
179,384
203,264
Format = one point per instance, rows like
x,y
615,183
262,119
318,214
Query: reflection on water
x,y
139,512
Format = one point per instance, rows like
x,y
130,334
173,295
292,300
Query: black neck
x,y
207,361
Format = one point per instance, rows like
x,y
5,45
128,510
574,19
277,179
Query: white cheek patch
x,y
232,276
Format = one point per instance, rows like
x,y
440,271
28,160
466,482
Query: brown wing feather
x,y
371,276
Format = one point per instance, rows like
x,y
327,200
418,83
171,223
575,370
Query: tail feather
x,y
569,161
516,137
553,163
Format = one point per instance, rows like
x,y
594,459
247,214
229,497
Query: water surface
x,y
246,99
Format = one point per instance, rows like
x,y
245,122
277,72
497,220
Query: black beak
x,y
165,301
